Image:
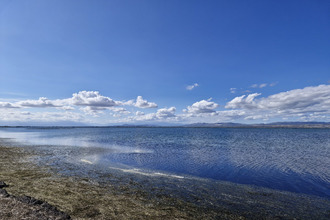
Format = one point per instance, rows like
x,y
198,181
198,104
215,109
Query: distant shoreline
x,y
194,125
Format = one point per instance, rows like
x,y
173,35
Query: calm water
x,y
296,160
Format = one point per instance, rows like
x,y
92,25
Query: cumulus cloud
x,y
7,105
306,100
162,114
92,110
66,108
139,113
166,112
120,110
213,117
231,114
141,103
92,99
191,87
203,106
42,102
244,101
310,103
89,102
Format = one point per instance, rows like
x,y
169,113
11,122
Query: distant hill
x,y
213,125
194,125
269,125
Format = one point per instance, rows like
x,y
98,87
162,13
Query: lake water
x,y
295,160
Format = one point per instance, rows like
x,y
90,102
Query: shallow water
x,y
296,160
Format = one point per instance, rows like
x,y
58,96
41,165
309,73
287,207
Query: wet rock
x,y
29,200
3,184
3,193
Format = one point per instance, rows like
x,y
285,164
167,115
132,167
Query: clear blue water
x,y
296,160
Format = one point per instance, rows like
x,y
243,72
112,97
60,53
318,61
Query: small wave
x,y
86,161
138,171
169,175
130,150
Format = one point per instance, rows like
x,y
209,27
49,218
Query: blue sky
x,y
251,61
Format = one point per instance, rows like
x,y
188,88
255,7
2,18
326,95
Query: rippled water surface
x,y
296,160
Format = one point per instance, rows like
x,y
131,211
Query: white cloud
x,y
92,110
203,106
166,112
313,98
129,102
257,117
139,113
7,105
16,115
42,102
92,99
141,103
299,102
66,108
213,117
262,85
244,101
91,103
246,91
191,87
162,114
120,110
231,114
233,90
310,103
